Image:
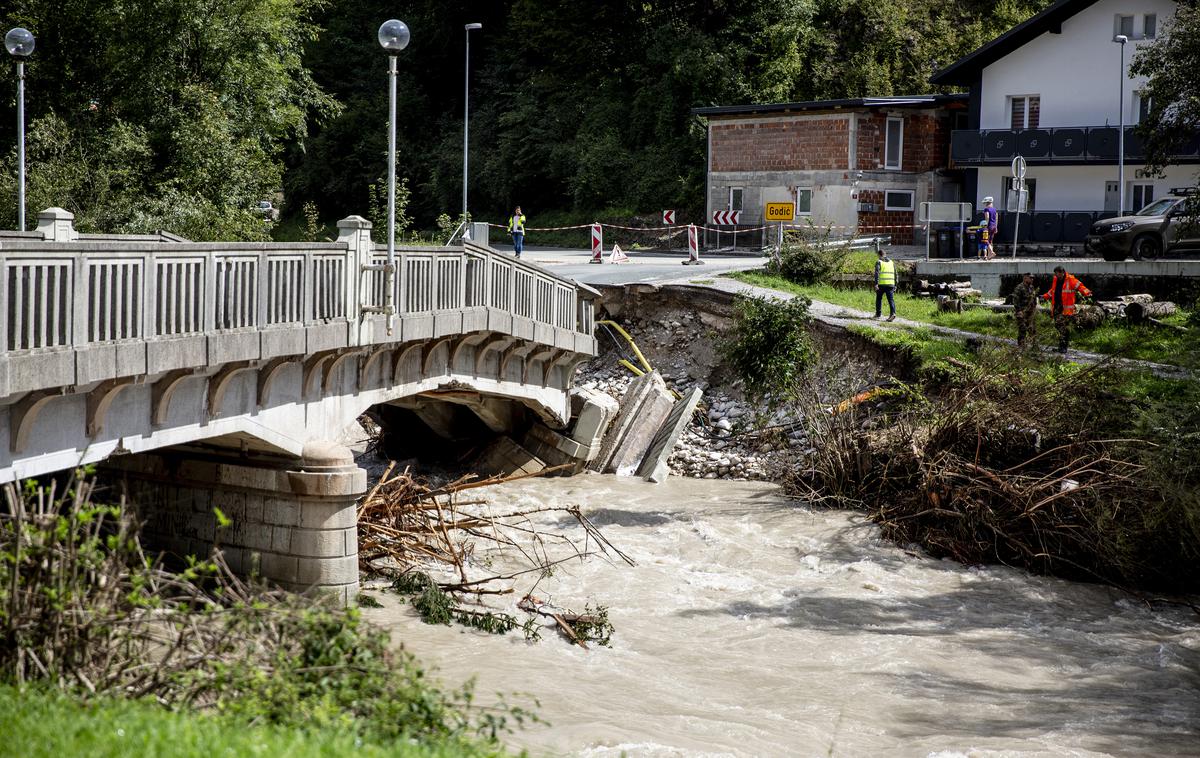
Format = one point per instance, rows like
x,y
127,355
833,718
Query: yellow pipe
x,y
641,358
636,371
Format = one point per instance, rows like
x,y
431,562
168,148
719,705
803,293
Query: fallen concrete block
x,y
593,412
654,465
635,394
505,457
646,404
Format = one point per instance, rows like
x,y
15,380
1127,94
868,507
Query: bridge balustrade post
x,y
355,233
57,225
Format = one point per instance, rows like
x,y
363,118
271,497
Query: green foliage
x,y
46,724
1149,342
769,346
807,257
313,228
1170,64
377,209
83,609
436,606
594,626
172,115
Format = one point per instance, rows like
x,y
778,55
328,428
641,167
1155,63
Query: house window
x,y
1141,194
1141,107
735,198
894,143
1123,25
898,200
1026,111
1150,25
803,201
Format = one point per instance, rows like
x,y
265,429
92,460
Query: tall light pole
x,y
393,37
466,109
1121,39
19,43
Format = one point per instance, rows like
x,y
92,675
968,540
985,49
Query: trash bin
x,y
947,243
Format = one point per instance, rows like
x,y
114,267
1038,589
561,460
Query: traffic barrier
x,y
597,244
693,247
618,255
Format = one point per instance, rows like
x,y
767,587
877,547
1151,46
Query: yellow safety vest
x,y
516,224
887,273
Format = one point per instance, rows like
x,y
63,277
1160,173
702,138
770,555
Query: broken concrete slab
x,y
654,465
593,412
644,407
505,457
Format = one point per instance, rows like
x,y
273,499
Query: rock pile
x,y
727,439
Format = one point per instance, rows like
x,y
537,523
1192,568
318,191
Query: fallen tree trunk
x,y
1140,313
1089,316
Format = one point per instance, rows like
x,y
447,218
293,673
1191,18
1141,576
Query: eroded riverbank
x,y
752,626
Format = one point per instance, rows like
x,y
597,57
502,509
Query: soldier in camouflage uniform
x,y
1025,300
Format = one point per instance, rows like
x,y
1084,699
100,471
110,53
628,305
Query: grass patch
x,y
40,724
1149,343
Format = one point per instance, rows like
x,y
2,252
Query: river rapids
x,y
754,626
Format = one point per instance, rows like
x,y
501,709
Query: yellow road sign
x,y
780,211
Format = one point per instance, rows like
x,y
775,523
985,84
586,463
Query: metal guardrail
x,y
59,294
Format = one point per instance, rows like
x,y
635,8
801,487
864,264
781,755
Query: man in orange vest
x,y
1062,303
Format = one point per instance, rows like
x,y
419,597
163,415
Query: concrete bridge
x,y
224,374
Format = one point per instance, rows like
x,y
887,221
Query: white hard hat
x,y
988,199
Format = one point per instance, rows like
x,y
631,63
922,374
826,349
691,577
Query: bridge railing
x,y
64,294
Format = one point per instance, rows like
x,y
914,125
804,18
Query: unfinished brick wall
x,y
899,224
926,144
783,145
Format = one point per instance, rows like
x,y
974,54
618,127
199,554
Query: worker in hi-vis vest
x,y
885,284
516,227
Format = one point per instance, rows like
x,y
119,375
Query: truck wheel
x,y
1146,247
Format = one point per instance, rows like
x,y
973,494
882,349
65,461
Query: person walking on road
x,y
1025,302
516,227
885,284
991,222
1062,293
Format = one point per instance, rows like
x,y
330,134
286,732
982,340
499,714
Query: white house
x,y
1050,90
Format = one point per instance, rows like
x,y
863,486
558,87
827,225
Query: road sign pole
x,y
1018,170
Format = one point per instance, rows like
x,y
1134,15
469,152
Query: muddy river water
x,y
752,626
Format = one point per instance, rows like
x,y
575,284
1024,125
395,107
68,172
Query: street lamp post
x,y
19,43
1121,39
467,110
393,37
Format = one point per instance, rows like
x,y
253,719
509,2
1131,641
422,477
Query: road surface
x,y
641,266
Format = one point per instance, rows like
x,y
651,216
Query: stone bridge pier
x,y
291,522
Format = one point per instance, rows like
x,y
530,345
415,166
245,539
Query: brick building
x,y
858,165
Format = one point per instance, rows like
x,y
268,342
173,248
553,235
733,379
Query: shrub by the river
x,y
85,610
1078,472
769,346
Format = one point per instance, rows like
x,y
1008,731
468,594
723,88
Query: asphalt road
x,y
641,267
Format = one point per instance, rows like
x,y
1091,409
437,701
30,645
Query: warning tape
x,y
681,228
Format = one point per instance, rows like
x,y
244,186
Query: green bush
x,y
808,257
769,346
84,609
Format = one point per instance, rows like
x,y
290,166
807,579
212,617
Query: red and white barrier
x,y
693,247
618,255
597,244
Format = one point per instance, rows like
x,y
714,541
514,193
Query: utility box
x,y
477,232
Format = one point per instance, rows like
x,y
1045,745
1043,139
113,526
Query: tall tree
x,y
171,114
1171,62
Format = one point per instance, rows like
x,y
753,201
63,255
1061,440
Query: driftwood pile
x,y
1000,467
407,527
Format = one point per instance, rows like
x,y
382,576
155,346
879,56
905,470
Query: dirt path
x,y
842,316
